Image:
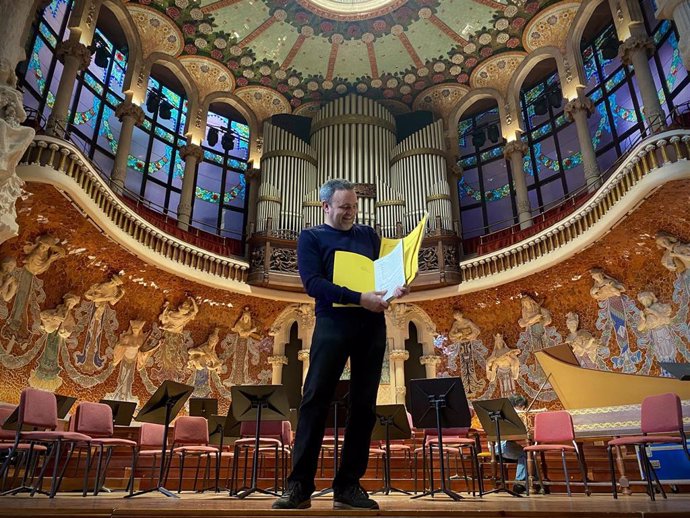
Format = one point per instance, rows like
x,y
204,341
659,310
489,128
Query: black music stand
x,y
439,403
122,411
257,403
677,370
203,407
220,427
337,414
162,408
500,415
391,424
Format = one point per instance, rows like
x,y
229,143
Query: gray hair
x,y
518,400
338,184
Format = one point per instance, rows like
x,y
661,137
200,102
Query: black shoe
x,y
353,497
295,497
519,489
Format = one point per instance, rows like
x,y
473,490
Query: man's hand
x,y
373,301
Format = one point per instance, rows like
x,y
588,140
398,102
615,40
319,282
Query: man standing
x,y
357,331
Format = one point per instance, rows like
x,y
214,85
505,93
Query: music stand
x,y
677,370
122,411
337,413
500,415
220,427
439,403
203,407
391,424
257,403
161,408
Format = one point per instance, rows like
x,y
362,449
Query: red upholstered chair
x,y
661,416
38,409
96,421
26,453
455,440
554,432
190,437
150,444
274,437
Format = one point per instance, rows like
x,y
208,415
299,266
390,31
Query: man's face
x,y
342,210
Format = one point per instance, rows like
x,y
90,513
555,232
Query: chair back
x,y
190,430
286,434
5,411
554,427
38,408
661,414
151,436
94,419
272,429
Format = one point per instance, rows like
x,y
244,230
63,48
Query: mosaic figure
x,y
127,354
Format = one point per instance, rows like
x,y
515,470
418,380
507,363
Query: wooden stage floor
x,y
220,505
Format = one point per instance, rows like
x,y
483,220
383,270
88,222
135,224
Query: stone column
x,y
636,51
254,177
515,151
277,363
679,12
454,173
398,357
191,154
578,110
129,114
303,356
430,362
74,56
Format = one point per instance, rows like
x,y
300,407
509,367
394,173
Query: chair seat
x,y
54,436
22,446
452,441
149,453
644,439
398,447
113,441
195,449
262,441
550,447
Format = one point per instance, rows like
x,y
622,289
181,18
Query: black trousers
x,y
360,335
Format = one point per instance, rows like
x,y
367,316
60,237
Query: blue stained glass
x,y
47,34
596,95
93,83
661,31
615,80
236,164
532,94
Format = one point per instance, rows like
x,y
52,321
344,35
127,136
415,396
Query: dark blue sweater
x,y
316,250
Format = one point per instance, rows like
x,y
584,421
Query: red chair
x,y
190,437
96,421
150,444
554,432
274,437
25,451
660,415
454,441
38,409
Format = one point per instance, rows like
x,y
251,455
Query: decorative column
x,y
579,110
277,363
515,151
454,174
430,362
398,357
75,57
254,177
303,356
191,154
129,114
679,12
636,51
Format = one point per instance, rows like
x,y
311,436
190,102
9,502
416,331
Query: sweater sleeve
x,y
311,271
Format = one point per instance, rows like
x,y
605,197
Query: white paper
x,y
389,271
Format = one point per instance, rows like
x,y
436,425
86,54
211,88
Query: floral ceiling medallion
x,y
349,10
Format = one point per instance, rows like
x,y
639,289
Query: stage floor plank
x,y
220,506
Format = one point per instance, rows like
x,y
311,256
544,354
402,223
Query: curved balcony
x,y
272,260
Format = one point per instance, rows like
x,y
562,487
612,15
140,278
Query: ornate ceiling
x,y
313,50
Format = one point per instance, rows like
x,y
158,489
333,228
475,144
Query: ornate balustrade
x,y
272,253
60,156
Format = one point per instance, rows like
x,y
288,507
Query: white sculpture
x,y
654,314
8,282
533,313
463,329
582,342
204,356
174,320
502,358
42,254
676,256
605,287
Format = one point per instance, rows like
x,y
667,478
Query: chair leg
x,y
583,471
130,482
565,472
179,479
612,467
98,471
537,470
196,473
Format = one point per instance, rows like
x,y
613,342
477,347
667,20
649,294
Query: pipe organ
x,y
354,138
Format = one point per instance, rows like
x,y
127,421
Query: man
x,y
512,450
357,331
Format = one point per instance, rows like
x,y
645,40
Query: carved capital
x,y
191,150
11,106
430,359
515,146
277,360
401,391
456,171
399,355
632,44
252,174
576,105
303,355
129,109
71,48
